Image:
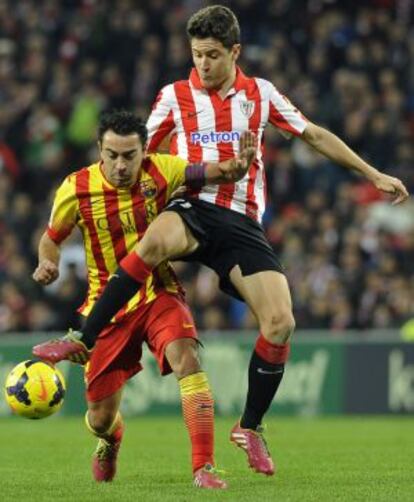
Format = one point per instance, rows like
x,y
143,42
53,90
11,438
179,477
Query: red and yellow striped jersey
x,y
112,220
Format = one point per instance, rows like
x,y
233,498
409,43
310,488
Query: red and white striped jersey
x,y
206,127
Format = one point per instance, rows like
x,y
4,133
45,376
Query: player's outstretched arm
x,y
47,270
335,149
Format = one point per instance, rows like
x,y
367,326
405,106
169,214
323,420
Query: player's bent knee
x,y
186,369
157,247
153,248
186,365
166,237
183,357
101,420
278,328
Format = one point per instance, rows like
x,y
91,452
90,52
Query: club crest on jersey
x,y
148,188
247,108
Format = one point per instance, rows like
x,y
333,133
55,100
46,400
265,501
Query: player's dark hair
x,y
122,122
217,22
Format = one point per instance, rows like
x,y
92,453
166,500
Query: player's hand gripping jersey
x,y
207,128
112,220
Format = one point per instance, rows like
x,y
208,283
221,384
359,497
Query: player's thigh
x,y
182,356
115,359
267,294
171,335
167,237
101,414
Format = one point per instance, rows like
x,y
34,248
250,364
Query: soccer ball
x,y
35,389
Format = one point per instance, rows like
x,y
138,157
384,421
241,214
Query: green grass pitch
x,y
328,459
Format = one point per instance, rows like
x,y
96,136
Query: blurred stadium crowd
x,y
347,65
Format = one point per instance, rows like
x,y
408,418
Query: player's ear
x,y
99,145
144,146
236,51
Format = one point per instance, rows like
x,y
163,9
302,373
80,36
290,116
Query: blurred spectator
x,y
348,254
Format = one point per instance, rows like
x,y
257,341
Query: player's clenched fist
x,y
391,185
46,272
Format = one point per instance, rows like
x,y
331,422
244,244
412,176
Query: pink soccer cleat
x,y
105,457
67,348
208,477
254,444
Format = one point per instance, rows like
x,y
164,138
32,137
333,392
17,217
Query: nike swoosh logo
x,y
43,393
204,406
264,372
188,325
193,114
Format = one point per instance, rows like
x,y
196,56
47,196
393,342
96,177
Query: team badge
x,y
247,108
148,188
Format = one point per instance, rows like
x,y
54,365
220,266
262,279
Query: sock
x,y
113,434
266,369
122,286
198,412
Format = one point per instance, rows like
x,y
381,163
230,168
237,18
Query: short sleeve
x,y
64,213
173,170
161,120
284,115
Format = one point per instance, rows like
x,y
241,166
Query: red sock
x,y
135,266
272,352
198,412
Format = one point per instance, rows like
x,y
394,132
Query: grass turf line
x,y
326,459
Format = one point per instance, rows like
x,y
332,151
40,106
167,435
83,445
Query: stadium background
x,y
348,253
347,65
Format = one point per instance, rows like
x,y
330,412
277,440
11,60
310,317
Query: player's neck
x,y
227,84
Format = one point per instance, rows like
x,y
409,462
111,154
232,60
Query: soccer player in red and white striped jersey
x,y
206,124
220,226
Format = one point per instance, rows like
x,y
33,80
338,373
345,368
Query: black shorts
x,y
226,238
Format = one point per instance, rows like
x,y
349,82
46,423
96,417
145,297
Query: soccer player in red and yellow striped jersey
x,y
112,202
112,219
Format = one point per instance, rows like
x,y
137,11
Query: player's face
x,y
121,158
214,63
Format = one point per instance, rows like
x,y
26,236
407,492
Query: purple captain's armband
x,y
195,174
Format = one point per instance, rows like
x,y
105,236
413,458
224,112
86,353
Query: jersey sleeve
x,y
284,115
173,170
161,120
64,213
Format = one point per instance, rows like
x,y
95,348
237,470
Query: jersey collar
x,y
240,82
